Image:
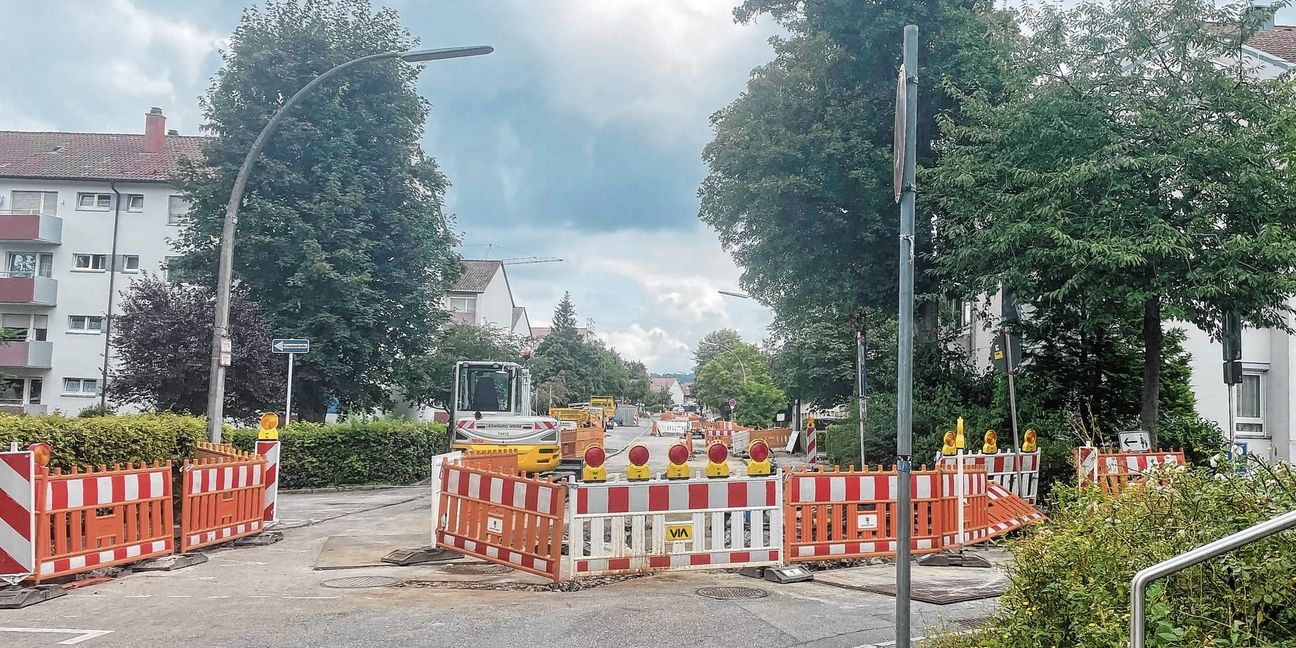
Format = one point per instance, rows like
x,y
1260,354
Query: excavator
x,y
491,410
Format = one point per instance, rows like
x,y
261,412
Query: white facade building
x,y
482,296
81,216
670,386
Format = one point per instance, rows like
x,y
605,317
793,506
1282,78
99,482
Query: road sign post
x,y
291,347
906,152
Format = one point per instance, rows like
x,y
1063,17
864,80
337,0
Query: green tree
x,y
639,382
431,380
713,344
586,367
342,230
1161,190
743,374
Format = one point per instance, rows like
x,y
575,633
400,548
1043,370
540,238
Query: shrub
x,y
381,451
106,440
1070,578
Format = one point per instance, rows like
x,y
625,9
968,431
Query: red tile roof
x,y
93,156
1280,42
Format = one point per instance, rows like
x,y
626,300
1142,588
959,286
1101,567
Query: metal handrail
x,y
1138,586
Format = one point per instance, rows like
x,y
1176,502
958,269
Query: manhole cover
x,y
475,569
357,582
732,593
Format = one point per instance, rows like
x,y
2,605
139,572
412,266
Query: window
x,y
960,315
484,389
94,201
36,202
16,391
130,263
1250,405
135,202
177,210
85,324
29,264
90,262
25,327
171,269
80,386
464,309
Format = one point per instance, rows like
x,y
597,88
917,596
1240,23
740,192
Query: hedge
x,y
380,451
106,440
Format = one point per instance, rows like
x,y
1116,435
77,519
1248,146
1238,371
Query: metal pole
x,y
288,398
904,388
1232,421
1012,405
1138,586
862,381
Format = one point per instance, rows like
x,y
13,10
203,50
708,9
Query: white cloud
x,y
653,347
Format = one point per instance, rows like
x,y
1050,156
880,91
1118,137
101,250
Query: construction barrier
x,y
512,520
669,428
774,438
667,525
1002,469
217,451
17,516
221,500
1112,471
500,461
574,441
1007,512
270,450
98,518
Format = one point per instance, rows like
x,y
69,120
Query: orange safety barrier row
x,y
1112,471
500,461
574,441
774,438
205,450
512,520
221,500
89,519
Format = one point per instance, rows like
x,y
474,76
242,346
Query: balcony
x,y
31,228
24,288
20,409
26,355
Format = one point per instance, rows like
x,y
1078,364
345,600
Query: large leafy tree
x,y
432,376
341,235
1131,172
713,344
743,374
162,340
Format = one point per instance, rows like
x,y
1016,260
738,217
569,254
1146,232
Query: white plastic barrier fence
x,y
1002,469
670,428
660,525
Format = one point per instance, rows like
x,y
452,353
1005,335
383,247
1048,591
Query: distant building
x,y
670,385
539,332
482,296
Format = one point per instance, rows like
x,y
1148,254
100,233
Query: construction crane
x,y
529,260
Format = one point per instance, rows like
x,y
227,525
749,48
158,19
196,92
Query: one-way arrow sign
x,y
290,345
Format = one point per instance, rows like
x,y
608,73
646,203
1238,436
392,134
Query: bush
x,y
1070,578
381,451
106,440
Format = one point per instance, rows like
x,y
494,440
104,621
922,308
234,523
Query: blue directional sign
x,y
290,345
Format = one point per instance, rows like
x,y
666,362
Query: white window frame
x,y
126,263
96,206
175,217
84,321
471,301
130,202
1262,379
46,198
76,258
80,391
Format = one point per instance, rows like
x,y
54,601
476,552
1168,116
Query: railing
x,y
1138,586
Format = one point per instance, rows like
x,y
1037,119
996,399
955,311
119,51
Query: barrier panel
x,y
1112,471
834,515
774,438
17,516
669,428
205,450
666,525
511,520
221,501
1001,468
574,441
98,518
500,461
973,525
1007,512
270,450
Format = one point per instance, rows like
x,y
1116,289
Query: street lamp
x,y
220,332
734,294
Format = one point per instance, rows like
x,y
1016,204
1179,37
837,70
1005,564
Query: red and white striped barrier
x,y
829,487
17,516
1140,462
505,518
1002,469
660,525
1009,512
812,447
270,450
222,501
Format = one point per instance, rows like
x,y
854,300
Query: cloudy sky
x,y
580,137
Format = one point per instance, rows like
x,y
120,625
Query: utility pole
x,y
906,150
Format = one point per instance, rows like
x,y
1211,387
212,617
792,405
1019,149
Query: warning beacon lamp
x,y
1029,443
717,461
959,441
948,448
594,470
638,470
269,427
991,444
758,463
678,456
41,453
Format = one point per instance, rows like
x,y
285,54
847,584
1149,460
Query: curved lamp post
x,y
220,333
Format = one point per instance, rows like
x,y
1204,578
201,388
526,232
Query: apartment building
x,y
81,216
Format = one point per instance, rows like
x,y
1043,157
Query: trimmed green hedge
x,y
380,451
106,440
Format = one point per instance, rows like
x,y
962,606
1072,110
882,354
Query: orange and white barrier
x,y
1112,471
1002,469
509,519
1007,512
221,500
17,516
502,461
270,450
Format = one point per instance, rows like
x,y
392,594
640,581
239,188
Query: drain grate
x,y
470,569
732,593
358,582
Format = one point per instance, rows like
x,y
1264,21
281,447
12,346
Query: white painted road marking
x,y
82,635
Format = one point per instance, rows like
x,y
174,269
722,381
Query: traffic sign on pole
x,y
290,345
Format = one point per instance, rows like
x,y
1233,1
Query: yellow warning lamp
x,y
527,353
991,444
41,453
594,470
758,463
717,461
269,427
949,448
959,442
638,470
1030,443
678,456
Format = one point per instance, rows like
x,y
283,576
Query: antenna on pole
x,y
527,260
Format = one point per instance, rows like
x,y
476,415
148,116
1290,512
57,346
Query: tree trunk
x,y
1153,337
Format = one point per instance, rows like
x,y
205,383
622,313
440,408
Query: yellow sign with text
x,y
679,532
